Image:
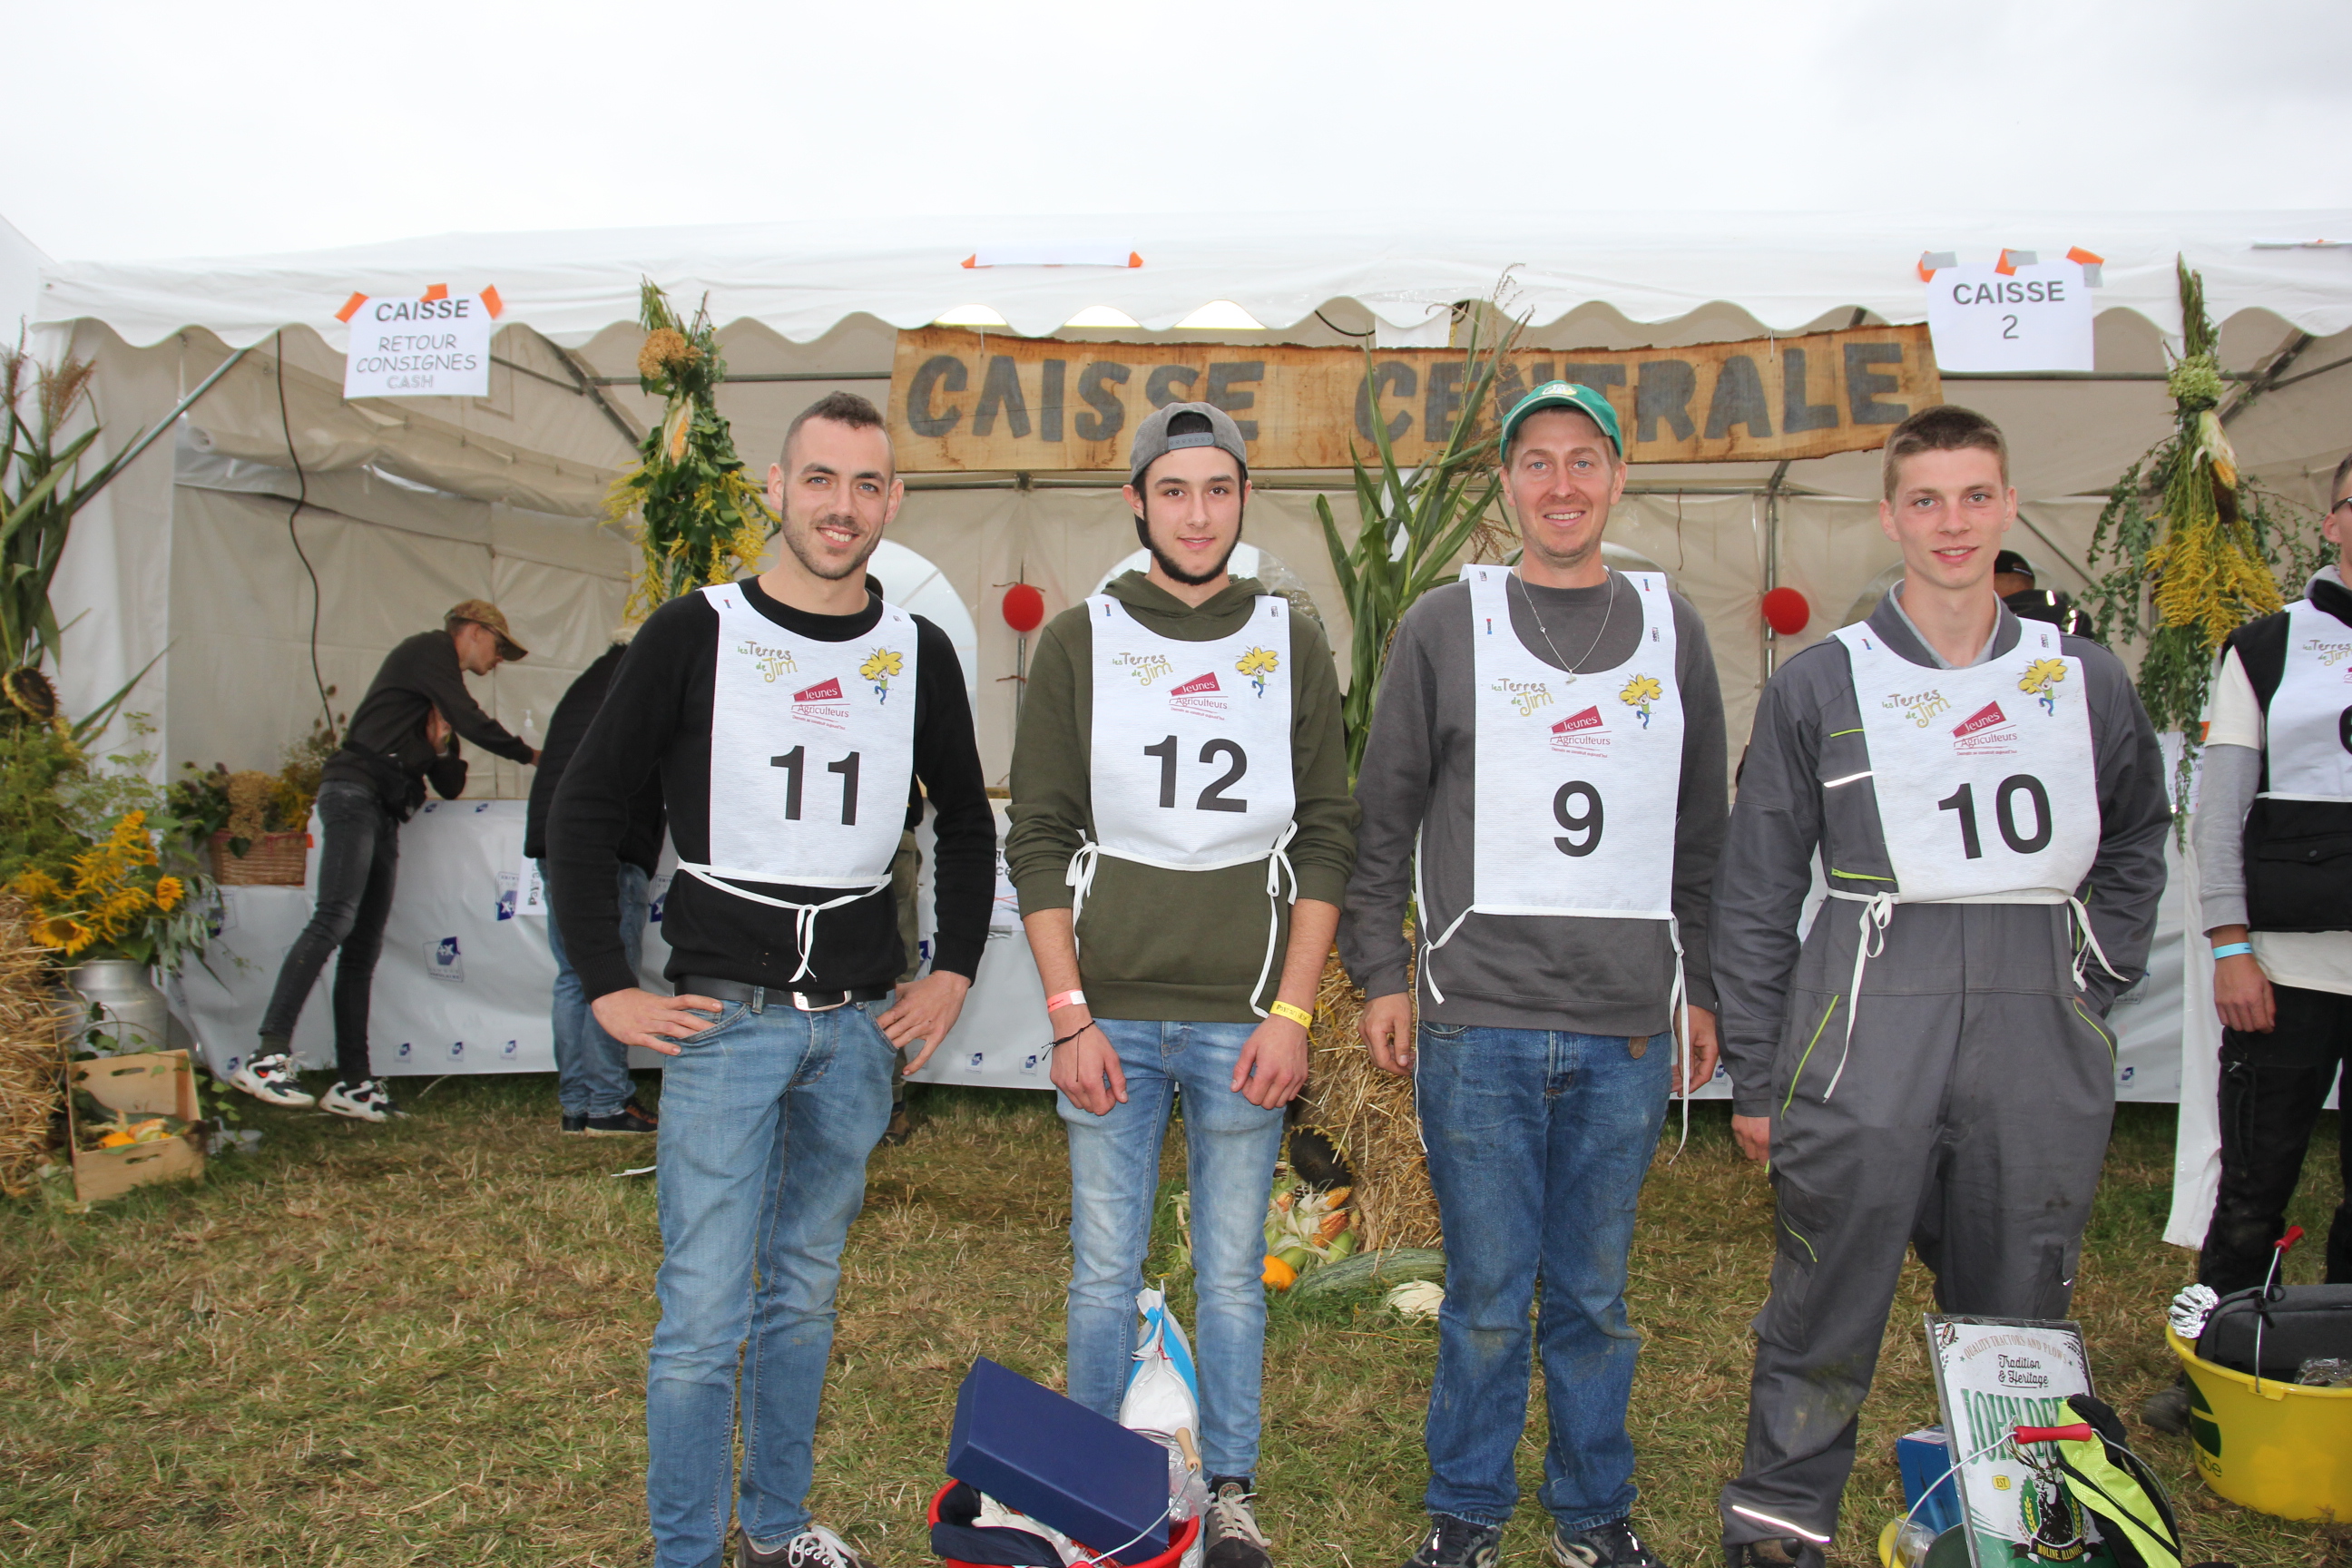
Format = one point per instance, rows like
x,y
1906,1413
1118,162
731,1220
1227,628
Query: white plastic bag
x,y
1163,1390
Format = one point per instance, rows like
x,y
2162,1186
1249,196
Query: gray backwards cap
x,y
1152,441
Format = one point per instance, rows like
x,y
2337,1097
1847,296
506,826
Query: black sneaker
x,y
901,1128
816,1547
578,1123
1610,1545
630,1118
1780,1551
1458,1543
1229,1528
2167,1409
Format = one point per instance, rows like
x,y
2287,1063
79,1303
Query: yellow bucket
x,y
2278,1448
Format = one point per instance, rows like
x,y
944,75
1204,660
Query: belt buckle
x,y
801,1001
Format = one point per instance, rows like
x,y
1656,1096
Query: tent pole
x,y
1772,556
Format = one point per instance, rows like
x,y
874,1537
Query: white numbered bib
x,y
811,746
2307,731
1986,788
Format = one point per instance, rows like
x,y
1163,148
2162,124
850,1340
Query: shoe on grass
x,y
365,1100
816,1547
270,1079
630,1118
2167,1409
901,1128
1778,1552
1610,1545
1457,1544
1229,1527
575,1123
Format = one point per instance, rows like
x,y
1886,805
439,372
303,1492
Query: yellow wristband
x,y
1298,1016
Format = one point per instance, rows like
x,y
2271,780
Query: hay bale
x,y
1369,1115
31,1059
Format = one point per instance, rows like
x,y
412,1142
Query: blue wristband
x,y
2232,950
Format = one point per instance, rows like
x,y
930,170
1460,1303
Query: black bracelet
x,y
1073,1035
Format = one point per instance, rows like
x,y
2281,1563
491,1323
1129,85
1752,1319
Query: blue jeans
x,y
591,1068
766,1121
1230,1149
1538,1144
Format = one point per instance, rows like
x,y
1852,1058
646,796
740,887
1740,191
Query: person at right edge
x,y
1545,778
1929,1067
2272,824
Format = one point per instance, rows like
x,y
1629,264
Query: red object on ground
x,y
1786,612
1025,608
1177,1543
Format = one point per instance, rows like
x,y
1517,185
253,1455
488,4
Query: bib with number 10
x,y
1984,778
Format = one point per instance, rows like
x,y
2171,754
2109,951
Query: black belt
x,y
757,997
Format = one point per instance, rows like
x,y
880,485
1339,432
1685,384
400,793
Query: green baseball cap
x,y
1588,401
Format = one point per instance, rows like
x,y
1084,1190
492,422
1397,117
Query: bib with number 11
x,y
1984,777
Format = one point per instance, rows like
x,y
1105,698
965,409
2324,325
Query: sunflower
x,y
169,891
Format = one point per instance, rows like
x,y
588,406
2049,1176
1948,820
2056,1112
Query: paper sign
x,y
531,889
426,347
2034,316
1992,1375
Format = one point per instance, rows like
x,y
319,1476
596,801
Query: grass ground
x,y
424,1344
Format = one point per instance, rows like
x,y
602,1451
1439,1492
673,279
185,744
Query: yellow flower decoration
x,y
1258,664
169,891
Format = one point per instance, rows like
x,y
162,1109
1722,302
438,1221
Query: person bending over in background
x,y
405,731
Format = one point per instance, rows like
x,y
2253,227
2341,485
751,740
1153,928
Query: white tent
x,y
416,503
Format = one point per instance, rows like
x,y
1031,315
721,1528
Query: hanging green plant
x,y
2193,548
698,518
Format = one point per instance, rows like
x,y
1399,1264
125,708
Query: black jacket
x,y
386,747
641,838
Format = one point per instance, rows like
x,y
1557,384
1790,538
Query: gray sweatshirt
x,y
1574,973
1808,728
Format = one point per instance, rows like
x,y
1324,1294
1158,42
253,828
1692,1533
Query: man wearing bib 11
x,y
1545,779
788,714
1181,836
1928,1067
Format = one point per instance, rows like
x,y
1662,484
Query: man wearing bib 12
x,y
788,715
1545,780
1181,836
1928,1067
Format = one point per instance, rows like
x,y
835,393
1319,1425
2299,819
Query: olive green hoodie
x,y
1155,942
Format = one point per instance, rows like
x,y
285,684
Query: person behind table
x,y
787,715
2012,580
591,1068
1181,838
1547,756
1929,1067
404,731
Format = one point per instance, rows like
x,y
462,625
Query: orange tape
x,y
491,302
351,307
2086,257
972,260
439,291
1133,259
2005,267
1927,273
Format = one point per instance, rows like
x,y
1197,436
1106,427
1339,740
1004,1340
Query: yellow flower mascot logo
x,y
1639,693
1258,664
879,667
2040,681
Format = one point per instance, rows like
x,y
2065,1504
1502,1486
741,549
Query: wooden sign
x,y
961,400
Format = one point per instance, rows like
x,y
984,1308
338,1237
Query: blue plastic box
x,y
1057,1461
1924,1456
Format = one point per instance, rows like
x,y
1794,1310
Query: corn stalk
x,y
1413,524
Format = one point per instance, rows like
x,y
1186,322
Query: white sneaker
x,y
816,1547
363,1101
270,1079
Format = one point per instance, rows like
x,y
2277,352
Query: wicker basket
x,y
274,859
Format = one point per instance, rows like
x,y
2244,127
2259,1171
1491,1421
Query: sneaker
x,y
363,1102
1780,1551
270,1079
816,1547
901,1128
1229,1528
2167,1409
1458,1543
630,1118
1610,1545
575,1123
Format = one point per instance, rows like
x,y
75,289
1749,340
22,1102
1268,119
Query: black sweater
x,y
416,678
641,843
656,717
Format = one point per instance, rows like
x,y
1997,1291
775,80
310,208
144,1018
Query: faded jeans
x,y
1229,1147
591,1068
766,1121
1538,1144
359,863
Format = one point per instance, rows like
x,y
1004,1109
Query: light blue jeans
x,y
591,1068
1538,1144
766,1121
1230,1149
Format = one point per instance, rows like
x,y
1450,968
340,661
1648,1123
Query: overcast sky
x,y
144,129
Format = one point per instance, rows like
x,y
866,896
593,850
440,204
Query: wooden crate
x,y
152,1083
274,859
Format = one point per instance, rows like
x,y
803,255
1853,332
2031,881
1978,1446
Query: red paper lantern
x,y
1786,612
1025,608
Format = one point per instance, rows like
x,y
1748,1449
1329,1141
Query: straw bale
x,y
1369,1115
30,1054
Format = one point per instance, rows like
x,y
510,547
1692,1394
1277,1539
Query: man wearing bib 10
x,y
788,715
1927,1066
1545,780
1181,836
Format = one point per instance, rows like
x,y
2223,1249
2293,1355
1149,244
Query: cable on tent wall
x,y
301,498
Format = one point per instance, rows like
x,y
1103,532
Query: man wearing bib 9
x,y
1545,780
789,714
1181,836
1928,1067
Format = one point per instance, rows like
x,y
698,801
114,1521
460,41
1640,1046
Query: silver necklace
x,y
1608,608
